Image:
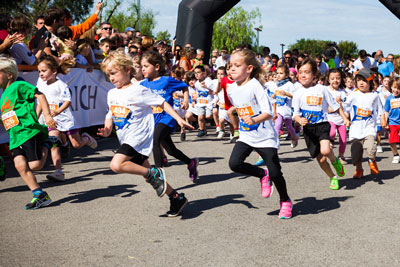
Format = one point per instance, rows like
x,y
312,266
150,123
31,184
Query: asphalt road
x,y
98,218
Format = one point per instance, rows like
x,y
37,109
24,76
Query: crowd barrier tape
x,y
88,92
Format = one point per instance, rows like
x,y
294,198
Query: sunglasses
x,y
107,29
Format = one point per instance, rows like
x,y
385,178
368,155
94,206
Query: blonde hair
x,y
119,60
9,66
250,59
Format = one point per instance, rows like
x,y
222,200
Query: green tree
x,y
316,47
348,47
236,28
164,35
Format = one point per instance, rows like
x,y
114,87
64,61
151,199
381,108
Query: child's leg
x,y
55,151
171,149
289,127
370,147
159,132
278,123
236,162
357,150
39,164
222,124
202,122
271,159
342,139
215,116
21,164
332,133
326,152
325,165
234,120
378,138
393,146
77,141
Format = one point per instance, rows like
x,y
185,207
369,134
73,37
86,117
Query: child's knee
x,y
115,166
234,164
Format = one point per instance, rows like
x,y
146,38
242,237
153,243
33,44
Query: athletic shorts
x,y
205,110
127,150
313,134
394,134
223,114
70,132
31,149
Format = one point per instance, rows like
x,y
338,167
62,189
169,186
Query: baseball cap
x,y
366,73
129,29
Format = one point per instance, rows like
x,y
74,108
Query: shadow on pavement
x,y
202,161
351,184
86,196
213,178
311,205
197,207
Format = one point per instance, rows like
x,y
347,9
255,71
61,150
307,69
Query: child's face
x,y
274,77
395,90
292,76
105,47
149,71
334,80
192,82
280,74
200,75
45,73
118,76
138,71
220,75
363,85
306,76
385,82
239,70
349,83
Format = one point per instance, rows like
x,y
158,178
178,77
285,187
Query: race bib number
x,y
119,111
203,101
157,109
221,105
314,100
53,107
363,112
395,103
245,111
10,119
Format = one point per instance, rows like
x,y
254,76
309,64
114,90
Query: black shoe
x,y
64,150
201,133
38,201
158,181
183,137
177,205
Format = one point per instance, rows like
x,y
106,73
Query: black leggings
x,y
270,156
162,136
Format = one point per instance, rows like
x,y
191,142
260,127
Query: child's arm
x,y
46,110
344,117
275,115
185,105
106,131
167,108
384,120
38,110
300,120
63,107
257,119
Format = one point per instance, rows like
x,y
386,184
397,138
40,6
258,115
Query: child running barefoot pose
x,y
130,110
310,105
256,128
28,143
392,117
59,98
152,68
365,107
336,85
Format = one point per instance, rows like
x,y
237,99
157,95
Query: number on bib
x,y
10,119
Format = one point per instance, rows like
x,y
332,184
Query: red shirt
x,y
224,84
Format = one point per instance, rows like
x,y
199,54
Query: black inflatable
x,y
392,5
196,20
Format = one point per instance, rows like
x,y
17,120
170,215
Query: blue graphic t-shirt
x,y
392,105
164,86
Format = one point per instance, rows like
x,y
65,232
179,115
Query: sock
x,y
395,155
370,160
236,129
37,191
151,172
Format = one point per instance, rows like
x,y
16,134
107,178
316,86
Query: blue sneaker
x,y
259,162
158,181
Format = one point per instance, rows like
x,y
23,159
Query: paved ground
x,y
99,218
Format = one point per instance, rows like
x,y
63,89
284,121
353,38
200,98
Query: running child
x,y
59,98
230,109
130,110
256,128
392,117
153,69
364,107
191,112
383,93
336,85
220,103
310,105
29,143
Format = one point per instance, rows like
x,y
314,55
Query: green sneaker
x,y
334,183
339,168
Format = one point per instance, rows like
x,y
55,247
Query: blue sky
x,y
367,22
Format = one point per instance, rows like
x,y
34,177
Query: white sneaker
x,y
218,129
396,159
294,143
92,142
379,149
220,135
56,176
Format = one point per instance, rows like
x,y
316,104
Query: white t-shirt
x,y
284,103
312,103
250,99
335,117
368,63
383,94
130,109
56,94
364,110
204,96
220,62
21,54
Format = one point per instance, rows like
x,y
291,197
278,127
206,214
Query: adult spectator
x,y
39,22
390,57
223,58
385,67
266,52
105,30
198,61
130,32
138,34
287,60
274,62
78,30
322,66
364,61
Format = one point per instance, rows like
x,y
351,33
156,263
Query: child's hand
x,y
347,123
54,113
203,84
50,122
274,117
248,120
184,125
303,121
339,100
104,132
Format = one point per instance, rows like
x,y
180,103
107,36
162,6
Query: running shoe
x,y
56,176
373,166
342,160
396,159
165,161
235,136
339,168
379,149
92,142
266,185
217,129
294,143
177,205
38,201
201,133
64,150
193,172
3,171
334,183
259,162
221,134
358,174
183,137
286,210
158,181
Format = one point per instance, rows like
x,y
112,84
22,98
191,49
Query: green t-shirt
x,y
18,100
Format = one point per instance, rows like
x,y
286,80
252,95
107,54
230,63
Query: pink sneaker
x,y
286,210
266,185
